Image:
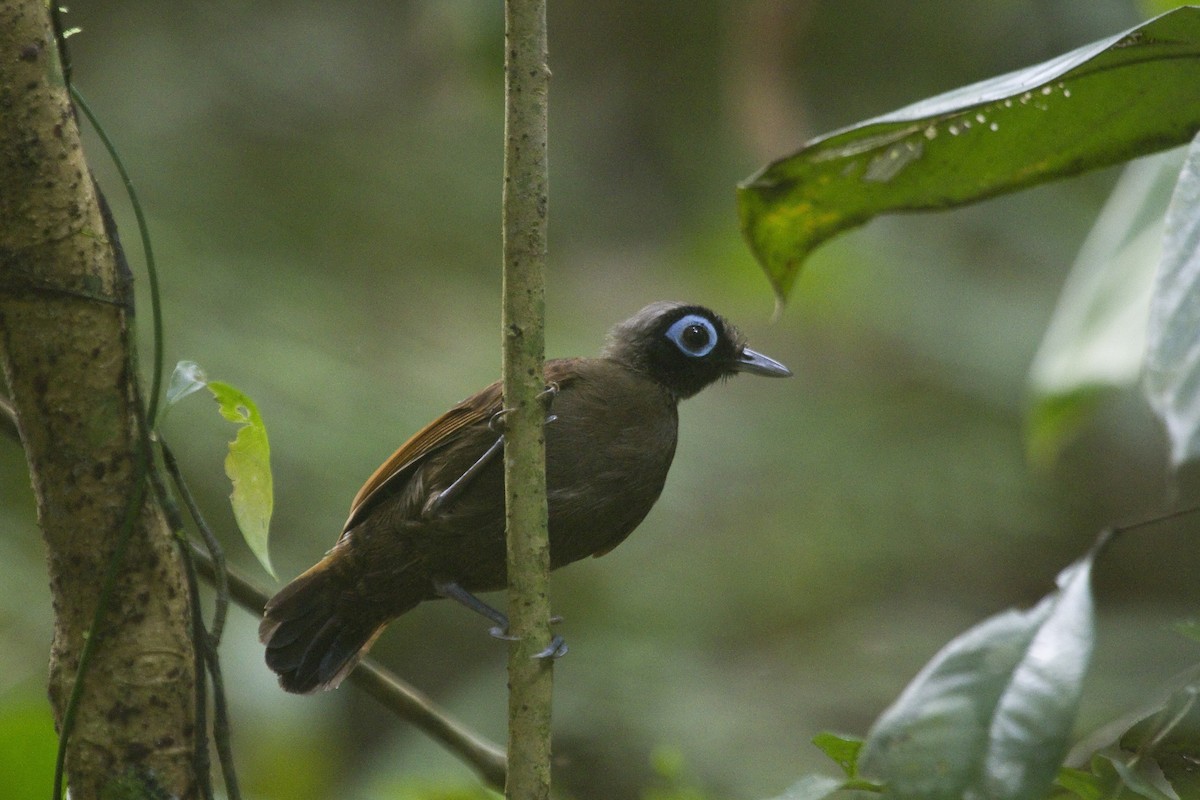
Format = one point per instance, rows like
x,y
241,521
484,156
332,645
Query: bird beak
x,y
758,364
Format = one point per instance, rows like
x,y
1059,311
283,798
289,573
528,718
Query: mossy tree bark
x,y
66,308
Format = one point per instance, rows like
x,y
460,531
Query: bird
x,y
429,522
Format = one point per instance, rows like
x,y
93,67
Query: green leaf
x,y
991,714
1133,777
812,787
187,378
1124,96
248,466
1149,8
842,749
1189,628
1096,340
1172,382
1171,736
1082,783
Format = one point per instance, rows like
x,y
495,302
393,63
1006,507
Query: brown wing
x,y
476,408
437,434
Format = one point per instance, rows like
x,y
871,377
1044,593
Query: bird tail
x,y
315,632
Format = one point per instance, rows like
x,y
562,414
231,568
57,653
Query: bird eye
x,y
694,335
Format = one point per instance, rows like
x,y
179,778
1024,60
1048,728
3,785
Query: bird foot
x,y
556,649
496,632
545,397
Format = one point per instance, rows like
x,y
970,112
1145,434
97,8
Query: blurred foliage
x,y
1096,341
27,745
323,188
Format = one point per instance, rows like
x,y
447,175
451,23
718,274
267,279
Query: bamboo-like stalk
x,y
525,223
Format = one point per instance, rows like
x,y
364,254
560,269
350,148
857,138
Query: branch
x,y
392,693
8,420
525,222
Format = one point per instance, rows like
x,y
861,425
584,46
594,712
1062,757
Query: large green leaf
x,y
991,714
1172,378
1124,96
813,787
1096,340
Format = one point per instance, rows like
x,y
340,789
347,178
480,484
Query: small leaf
x,y
1112,100
248,466
1096,340
1083,783
1172,382
844,750
991,714
1189,628
1171,736
187,378
812,787
1139,784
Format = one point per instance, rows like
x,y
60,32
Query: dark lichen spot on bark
x,y
120,713
136,751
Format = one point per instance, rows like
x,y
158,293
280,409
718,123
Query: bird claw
x,y
497,632
545,397
496,423
556,649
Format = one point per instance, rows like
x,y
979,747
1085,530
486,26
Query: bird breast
x,y
608,452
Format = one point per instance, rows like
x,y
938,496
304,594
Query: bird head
x,y
685,348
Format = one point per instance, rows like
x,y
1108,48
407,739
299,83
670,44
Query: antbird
x,y
429,522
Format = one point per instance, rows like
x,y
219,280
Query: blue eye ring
x,y
694,335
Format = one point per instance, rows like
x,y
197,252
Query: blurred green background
x,y
323,186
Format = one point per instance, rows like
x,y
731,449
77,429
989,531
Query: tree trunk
x,y
66,307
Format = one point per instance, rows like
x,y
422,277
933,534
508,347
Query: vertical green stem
x,y
525,223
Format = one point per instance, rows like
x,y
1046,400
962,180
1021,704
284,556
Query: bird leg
x,y
449,589
453,591
452,491
496,424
